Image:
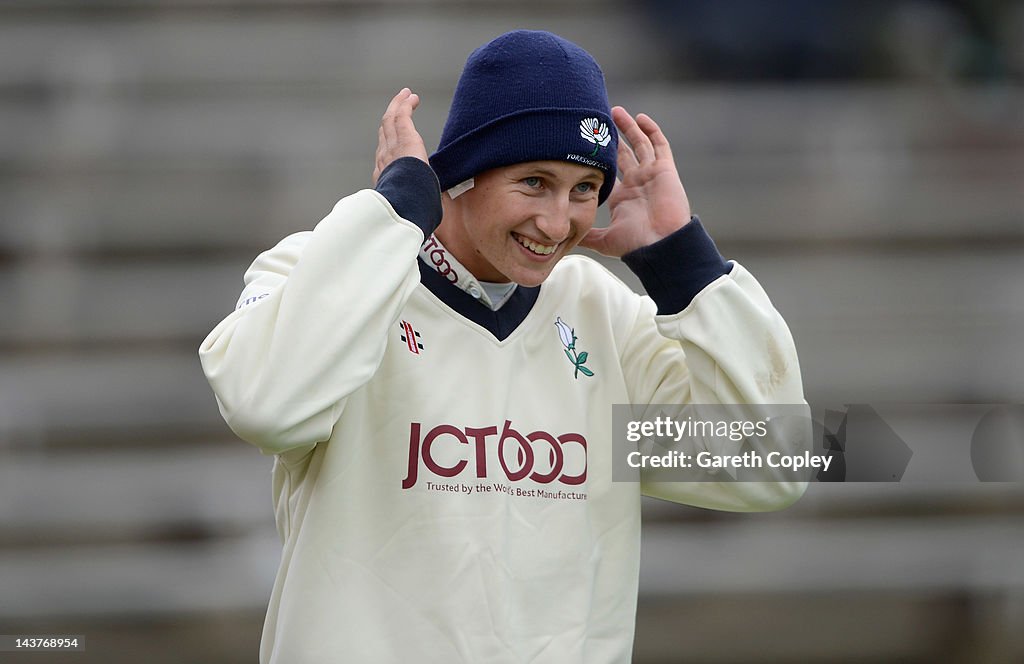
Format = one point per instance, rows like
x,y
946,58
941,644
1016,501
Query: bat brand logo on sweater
x,y
594,131
450,451
411,337
568,338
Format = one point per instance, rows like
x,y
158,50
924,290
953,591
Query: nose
x,y
553,219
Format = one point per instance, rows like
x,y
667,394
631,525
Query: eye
x,y
532,182
587,189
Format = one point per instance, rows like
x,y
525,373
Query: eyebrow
x,y
540,170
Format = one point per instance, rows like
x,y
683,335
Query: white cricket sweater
x,y
446,496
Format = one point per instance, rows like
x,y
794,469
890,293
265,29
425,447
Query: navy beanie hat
x,y
527,96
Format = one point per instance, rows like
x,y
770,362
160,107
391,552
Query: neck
x,y
453,220
434,253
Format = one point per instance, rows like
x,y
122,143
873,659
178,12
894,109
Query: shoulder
x,y
587,277
280,258
353,219
592,286
580,268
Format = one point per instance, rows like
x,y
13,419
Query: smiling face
x,y
518,221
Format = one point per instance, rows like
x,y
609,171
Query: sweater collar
x,y
500,323
433,253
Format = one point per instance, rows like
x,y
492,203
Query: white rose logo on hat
x,y
596,132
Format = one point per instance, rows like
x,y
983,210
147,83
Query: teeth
x,y
542,249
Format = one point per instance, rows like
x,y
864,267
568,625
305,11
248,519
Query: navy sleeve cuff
x,y
677,267
411,187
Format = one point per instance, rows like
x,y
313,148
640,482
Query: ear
x,y
450,210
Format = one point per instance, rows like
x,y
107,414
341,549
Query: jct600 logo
x,y
446,451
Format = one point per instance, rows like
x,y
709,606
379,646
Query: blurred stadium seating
x,y
149,149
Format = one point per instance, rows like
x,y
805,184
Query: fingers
x,y
638,140
646,140
397,136
398,116
627,159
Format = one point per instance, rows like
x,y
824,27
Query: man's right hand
x,y
397,136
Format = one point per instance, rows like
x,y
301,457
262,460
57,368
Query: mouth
x,y
535,247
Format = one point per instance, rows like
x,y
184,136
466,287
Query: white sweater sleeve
x,y
311,324
728,346
715,339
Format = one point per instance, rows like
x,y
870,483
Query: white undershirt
x,y
498,293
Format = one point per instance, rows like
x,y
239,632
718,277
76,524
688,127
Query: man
x,y
435,376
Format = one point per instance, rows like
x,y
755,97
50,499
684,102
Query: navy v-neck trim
x,y
500,323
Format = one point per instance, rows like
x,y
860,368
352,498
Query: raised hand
x,y
648,203
397,136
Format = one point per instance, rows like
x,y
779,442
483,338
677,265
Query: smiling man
x,y
434,375
536,213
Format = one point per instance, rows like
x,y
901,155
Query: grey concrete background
x,y
865,162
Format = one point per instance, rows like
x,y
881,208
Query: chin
x,y
531,279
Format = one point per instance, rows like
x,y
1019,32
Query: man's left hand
x,y
648,203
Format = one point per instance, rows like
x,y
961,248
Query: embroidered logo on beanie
x,y
596,132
